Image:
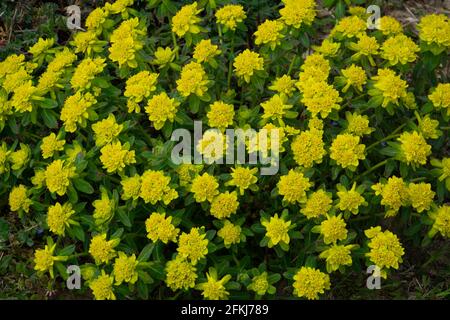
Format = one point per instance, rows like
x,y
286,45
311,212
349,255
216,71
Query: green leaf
x,y
4,230
146,252
157,271
124,218
49,118
67,251
145,277
47,103
83,186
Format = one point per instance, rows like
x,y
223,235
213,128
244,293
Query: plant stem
x,y
219,29
292,65
175,45
380,164
230,64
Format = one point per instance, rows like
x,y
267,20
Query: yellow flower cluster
x,y
386,251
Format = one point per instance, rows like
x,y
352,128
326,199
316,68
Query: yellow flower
x,y
399,49
115,157
337,256
15,80
390,26
429,127
275,108
193,245
386,251
390,86
243,178
50,144
161,108
58,176
440,97
119,6
11,64
41,46
18,199
297,13
357,124
283,85
320,98
193,80
349,27
161,228
85,72
103,209
224,205
204,187
435,29
180,274
350,200
220,115
102,287
102,250
315,124
205,51
187,172
140,86
333,229
421,196
131,187
328,48
126,43
414,149
230,233
365,47
106,130
259,284
315,68
44,259
246,63
155,187
277,230
394,194
59,218
310,282
269,32
23,97
39,178
358,11
213,145
186,20
308,148
230,15
347,151
4,155
76,110
163,56
213,288
125,269
293,187
86,42
318,204
62,59
441,218
355,76
442,170
20,157
96,19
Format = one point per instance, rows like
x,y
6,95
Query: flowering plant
x,y
362,175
